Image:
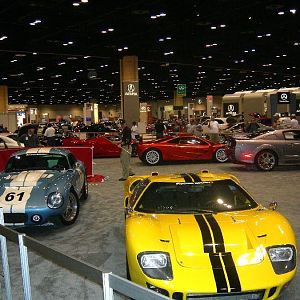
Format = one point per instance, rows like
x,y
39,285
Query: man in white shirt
x,y
213,130
49,135
294,122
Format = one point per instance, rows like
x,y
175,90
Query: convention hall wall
x,y
60,110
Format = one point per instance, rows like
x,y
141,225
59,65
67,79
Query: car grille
x,y
253,295
15,218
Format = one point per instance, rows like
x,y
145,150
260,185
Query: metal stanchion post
x,y
108,292
25,268
5,265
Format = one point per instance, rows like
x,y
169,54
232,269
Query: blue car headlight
x,y
283,258
156,265
55,200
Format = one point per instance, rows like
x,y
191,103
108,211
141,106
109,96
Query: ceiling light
x,y
70,43
3,37
222,25
213,27
86,56
281,13
293,11
84,1
103,31
110,29
14,60
76,4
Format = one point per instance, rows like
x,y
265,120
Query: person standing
x,y
294,122
135,138
49,135
213,130
126,151
29,139
159,128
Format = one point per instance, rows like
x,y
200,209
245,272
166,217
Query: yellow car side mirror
x,y
273,205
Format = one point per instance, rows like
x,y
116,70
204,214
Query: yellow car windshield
x,y
199,197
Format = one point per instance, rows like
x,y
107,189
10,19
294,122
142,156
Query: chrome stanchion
x,y
108,292
25,268
5,265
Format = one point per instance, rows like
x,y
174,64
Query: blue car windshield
x,y
200,197
26,162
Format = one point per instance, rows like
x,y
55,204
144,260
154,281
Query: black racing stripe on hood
x,y
206,236
219,274
195,177
233,277
218,236
186,177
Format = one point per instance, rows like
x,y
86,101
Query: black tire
x,y
266,160
71,213
85,190
220,155
152,157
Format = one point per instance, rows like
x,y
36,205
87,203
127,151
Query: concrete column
x,y
209,104
178,99
3,98
129,78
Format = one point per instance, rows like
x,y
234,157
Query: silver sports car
x,y
279,147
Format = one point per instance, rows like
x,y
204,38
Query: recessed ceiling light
x,y
3,37
76,4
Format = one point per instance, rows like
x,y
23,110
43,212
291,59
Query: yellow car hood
x,y
194,237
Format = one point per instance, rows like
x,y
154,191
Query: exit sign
x,y
181,89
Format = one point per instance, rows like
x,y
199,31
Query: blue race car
x,y
41,185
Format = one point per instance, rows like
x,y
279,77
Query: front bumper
x,y
32,217
257,283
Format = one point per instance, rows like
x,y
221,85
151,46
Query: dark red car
x,y
184,147
103,146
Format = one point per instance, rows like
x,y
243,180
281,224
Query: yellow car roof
x,y
186,177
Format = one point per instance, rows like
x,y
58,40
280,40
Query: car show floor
x,y
97,236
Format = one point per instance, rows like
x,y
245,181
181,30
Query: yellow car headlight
x,y
156,265
283,258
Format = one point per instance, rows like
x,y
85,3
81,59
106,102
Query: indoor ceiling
x,y
64,51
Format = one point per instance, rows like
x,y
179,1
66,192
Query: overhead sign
x,y
181,89
230,108
131,89
284,98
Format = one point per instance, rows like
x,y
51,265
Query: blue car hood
x,y
33,178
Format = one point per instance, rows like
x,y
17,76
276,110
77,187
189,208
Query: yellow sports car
x,y
202,236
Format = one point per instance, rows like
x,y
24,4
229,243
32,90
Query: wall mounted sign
x,y
284,98
230,108
131,89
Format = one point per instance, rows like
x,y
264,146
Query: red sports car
x,y
103,146
184,147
